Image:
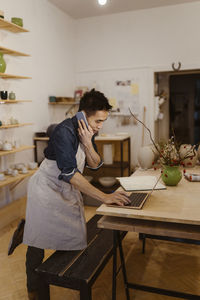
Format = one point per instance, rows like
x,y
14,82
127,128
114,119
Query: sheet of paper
x,y
140,183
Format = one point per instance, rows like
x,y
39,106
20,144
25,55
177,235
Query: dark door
x,y
185,107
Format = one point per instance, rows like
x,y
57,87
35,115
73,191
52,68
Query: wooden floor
x,y
165,265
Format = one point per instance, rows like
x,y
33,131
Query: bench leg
x,y
85,292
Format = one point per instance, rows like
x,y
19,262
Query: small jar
x,y
12,96
1,14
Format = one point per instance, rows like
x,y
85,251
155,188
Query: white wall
x,y
50,43
152,37
147,39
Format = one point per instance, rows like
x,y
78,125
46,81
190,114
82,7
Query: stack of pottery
x,y
187,149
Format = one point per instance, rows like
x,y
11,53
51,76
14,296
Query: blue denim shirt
x,y
62,147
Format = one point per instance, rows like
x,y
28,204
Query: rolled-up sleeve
x,y
64,143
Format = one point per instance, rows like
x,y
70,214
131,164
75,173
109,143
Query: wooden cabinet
x,y
121,165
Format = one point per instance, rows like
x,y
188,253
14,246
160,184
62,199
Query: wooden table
x,y
173,213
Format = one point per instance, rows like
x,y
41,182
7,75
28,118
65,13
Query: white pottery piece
x,y
89,178
108,154
146,157
32,165
1,176
14,172
7,146
188,162
107,181
198,153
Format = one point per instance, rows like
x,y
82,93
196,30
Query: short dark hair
x,y
93,101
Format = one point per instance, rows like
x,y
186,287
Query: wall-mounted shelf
x,y
22,148
13,101
12,179
12,52
6,25
46,138
64,103
15,125
9,76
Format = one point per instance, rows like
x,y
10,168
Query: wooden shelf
x,y
64,103
6,25
46,138
13,126
13,101
9,76
22,148
12,179
12,52
116,165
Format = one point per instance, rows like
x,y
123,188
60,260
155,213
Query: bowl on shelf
x,y
107,181
89,178
17,21
40,134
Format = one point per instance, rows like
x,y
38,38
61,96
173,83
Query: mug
x,y
4,95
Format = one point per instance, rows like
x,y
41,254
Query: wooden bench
x,y
78,270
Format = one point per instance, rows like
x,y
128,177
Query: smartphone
x,y
81,116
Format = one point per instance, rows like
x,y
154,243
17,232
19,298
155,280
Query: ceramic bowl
x,y
107,181
19,166
32,165
89,178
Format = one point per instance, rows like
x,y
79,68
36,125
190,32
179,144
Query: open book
x,y
140,183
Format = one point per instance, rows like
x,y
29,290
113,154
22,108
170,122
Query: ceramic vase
x,y
2,63
108,154
171,175
146,157
187,149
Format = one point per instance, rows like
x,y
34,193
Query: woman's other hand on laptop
x,y
119,198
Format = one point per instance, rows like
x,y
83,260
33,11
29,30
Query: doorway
x,y
181,109
184,108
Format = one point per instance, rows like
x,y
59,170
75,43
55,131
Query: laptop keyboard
x,y
136,199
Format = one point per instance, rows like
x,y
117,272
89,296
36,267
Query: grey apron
x,y
55,214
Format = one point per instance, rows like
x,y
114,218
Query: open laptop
x,y
137,199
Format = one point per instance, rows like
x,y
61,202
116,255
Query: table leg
x,y
114,283
123,265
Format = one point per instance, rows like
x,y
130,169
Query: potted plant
x,y
170,156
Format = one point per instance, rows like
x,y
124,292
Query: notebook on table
x,y
138,199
